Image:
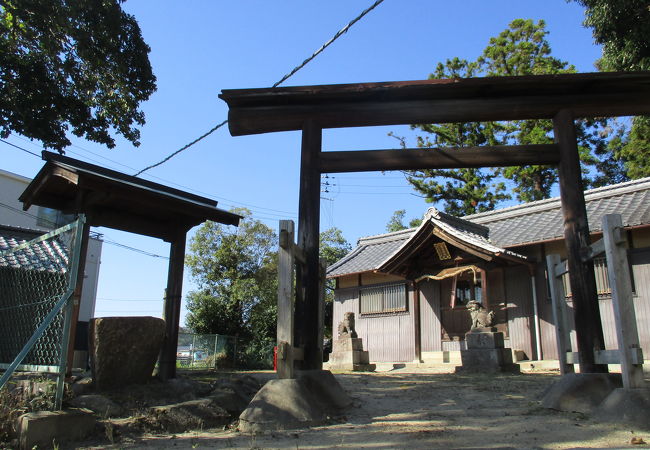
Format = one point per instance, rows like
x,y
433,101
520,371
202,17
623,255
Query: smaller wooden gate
x,y
628,354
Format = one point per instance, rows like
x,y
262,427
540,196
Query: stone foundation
x,y
486,353
348,354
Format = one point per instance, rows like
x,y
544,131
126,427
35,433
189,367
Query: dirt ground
x,y
398,409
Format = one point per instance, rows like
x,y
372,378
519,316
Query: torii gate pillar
x,y
308,323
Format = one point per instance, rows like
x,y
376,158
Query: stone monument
x,y
485,350
347,350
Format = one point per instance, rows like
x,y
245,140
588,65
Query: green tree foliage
x,y
623,29
236,274
78,65
396,221
520,50
332,247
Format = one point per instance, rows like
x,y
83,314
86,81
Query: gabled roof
x,y
510,227
370,252
116,200
49,255
542,220
384,253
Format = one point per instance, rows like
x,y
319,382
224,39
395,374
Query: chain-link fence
x,y
206,351
37,279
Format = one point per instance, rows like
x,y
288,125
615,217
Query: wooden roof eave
x,y
119,201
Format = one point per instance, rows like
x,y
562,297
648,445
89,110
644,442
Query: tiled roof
x,y
508,227
370,252
542,220
49,255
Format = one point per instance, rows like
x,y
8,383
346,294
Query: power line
x,y
128,299
232,203
136,250
20,148
327,44
183,148
276,84
107,241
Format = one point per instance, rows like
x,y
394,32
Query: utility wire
x,y
107,241
282,80
20,148
183,148
232,203
327,44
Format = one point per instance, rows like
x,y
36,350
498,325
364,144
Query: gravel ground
x,y
398,409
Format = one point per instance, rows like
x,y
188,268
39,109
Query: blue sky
x,y
199,48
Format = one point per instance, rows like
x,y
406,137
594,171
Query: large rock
x,y
124,350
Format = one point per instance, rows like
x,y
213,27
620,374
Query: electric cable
x,y
282,80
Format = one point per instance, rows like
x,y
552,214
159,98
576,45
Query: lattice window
x,y
602,280
383,299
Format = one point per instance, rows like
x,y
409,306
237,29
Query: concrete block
x,y
346,344
628,406
484,340
487,360
282,405
324,386
353,357
581,392
45,428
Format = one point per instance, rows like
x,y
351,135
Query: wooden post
x,y
306,324
172,308
622,301
560,314
76,298
589,330
417,335
322,280
285,301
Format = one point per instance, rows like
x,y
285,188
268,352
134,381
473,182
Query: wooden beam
x,y
285,337
307,275
461,245
588,326
76,297
439,158
560,314
255,120
417,331
620,282
635,356
172,308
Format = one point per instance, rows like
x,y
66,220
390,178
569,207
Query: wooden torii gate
x,y
561,98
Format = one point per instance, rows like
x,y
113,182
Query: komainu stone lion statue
x,y
346,326
481,318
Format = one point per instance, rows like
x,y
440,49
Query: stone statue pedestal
x,y
486,353
348,354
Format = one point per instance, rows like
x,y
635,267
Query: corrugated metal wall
x,y
386,337
518,293
430,316
641,267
